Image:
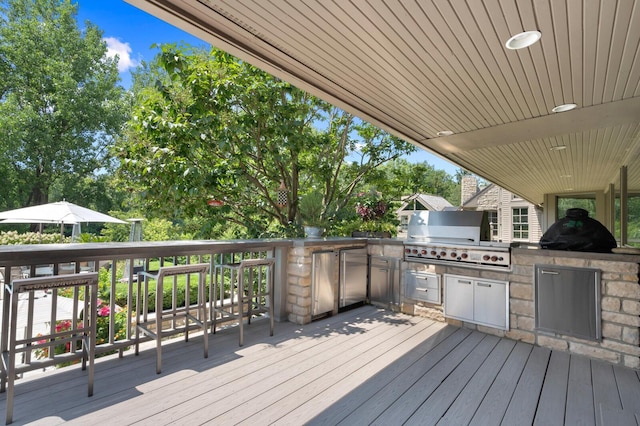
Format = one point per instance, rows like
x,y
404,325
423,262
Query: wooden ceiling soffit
x,y
579,120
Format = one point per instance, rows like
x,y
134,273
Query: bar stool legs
x,y
144,323
27,346
253,279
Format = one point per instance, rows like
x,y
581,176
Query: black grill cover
x,y
578,232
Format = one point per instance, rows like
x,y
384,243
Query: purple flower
x,y
371,206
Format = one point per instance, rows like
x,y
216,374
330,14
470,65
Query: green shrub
x,y
180,296
14,238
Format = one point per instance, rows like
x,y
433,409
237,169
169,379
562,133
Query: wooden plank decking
x,y
365,366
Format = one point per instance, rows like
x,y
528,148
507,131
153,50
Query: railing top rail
x,y
16,255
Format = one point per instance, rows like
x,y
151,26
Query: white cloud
x,y
123,50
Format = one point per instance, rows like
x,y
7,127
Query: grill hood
x,y
449,227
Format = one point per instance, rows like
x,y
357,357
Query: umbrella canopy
x,y
61,212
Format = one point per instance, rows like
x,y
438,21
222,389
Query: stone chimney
x,y
469,186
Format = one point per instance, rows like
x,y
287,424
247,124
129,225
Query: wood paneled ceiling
x,y
418,67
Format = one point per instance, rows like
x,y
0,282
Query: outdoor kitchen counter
x,y
535,250
328,241
302,300
619,307
619,302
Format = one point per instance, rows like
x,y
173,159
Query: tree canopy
x,y
60,102
207,126
400,178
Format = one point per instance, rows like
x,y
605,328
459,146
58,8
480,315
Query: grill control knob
x,y
414,251
407,251
485,257
454,254
464,255
433,252
443,253
494,258
423,251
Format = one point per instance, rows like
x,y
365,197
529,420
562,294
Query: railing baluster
x,y
76,260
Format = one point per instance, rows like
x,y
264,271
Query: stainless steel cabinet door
x,y
322,282
490,303
567,300
354,265
458,298
379,280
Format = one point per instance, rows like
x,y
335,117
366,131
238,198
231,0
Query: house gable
x,y
504,203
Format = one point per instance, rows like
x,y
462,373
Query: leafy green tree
x,y
211,127
60,102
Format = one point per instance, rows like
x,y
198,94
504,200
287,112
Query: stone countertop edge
x,y
537,251
310,242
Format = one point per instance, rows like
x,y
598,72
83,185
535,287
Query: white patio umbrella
x,y
60,212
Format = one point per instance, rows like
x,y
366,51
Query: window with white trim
x,y
404,222
492,215
520,223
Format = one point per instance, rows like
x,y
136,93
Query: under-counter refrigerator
x,y
323,278
354,267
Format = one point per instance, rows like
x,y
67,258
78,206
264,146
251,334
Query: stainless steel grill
x,y
454,236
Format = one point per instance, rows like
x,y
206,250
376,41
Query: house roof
x,y
420,67
431,202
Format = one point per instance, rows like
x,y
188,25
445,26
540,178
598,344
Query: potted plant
x,y
377,219
311,210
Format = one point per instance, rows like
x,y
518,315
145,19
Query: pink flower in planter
x,y
62,326
104,311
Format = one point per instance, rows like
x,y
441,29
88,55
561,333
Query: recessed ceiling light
x,y
522,40
564,107
444,133
558,148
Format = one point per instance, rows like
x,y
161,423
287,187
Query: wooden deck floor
x,y
365,366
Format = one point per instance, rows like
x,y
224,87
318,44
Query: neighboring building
x,y
511,218
417,202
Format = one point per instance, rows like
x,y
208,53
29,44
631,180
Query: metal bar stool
x,y
154,327
68,335
250,293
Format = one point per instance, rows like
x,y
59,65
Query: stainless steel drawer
x,y
423,286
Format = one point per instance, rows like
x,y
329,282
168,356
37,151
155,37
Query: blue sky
x,y
130,32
